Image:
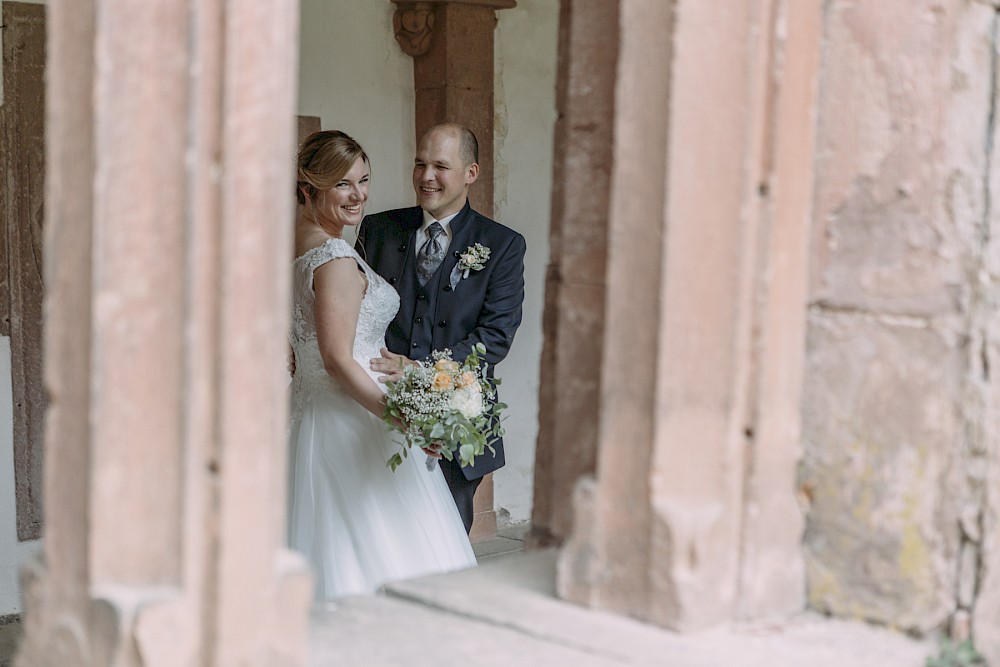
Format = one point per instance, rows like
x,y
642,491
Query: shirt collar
x,y
445,222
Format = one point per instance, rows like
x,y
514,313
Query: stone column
x,y
451,42
573,323
22,165
902,401
170,136
689,517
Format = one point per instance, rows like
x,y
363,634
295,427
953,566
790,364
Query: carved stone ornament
x,y
413,21
413,25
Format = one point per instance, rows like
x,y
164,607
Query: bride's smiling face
x,y
344,203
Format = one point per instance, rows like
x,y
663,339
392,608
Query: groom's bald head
x,y
467,142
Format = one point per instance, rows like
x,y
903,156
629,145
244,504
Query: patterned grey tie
x,y
430,254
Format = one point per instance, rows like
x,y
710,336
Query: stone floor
x,y
509,541
505,613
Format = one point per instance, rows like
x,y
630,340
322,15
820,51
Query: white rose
x,y
469,403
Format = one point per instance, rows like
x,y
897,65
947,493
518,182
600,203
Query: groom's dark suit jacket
x,y
483,308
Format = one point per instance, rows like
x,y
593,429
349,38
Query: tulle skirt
x,y
360,524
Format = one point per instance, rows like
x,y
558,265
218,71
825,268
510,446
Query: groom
x,y
441,306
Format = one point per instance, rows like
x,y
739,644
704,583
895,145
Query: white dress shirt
x,y
423,236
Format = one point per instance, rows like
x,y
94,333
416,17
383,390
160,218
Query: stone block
x,y
900,167
882,416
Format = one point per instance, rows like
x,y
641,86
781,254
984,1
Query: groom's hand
x,y
390,365
433,450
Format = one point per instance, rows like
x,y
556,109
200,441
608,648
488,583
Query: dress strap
x,y
330,250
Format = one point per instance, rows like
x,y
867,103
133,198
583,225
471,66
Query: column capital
x,y
413,21
495,4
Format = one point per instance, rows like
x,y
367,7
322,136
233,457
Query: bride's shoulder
x,y
322,252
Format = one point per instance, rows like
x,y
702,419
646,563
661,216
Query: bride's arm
x,y
339,287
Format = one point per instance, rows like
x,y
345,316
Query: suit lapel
x,y
461,232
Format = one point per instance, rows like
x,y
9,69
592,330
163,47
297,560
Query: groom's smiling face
x,y
441,178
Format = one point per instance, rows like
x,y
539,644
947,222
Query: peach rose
x,y
446,365
442,381
466,379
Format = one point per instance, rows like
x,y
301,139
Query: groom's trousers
x,y
462,490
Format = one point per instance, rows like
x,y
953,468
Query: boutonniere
x,y
473,258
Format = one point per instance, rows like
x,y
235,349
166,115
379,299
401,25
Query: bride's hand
x,y
390,365
433,450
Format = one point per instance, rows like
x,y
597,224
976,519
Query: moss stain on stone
x,y
914,552
823,586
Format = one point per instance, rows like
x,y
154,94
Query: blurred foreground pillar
x,y
169,139
675,314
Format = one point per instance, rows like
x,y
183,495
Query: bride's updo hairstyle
x,y
324,158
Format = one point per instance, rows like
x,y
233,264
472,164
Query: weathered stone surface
x,y
968,574
881,422
772,577
986,612
164,244
573,320
670,526
23,165
900,404
882,242
986,448
985,627
609,554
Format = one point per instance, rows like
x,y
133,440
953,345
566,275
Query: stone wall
x,y
900,406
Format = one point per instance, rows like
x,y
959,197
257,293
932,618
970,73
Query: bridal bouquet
x,y
447,403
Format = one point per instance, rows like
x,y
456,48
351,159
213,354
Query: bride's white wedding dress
x,y
359,524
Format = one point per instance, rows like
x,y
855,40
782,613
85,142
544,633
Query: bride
x,y
359,524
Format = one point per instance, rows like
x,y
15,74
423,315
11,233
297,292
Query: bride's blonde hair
x,y
323,159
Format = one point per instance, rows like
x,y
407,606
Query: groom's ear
x,y
471,173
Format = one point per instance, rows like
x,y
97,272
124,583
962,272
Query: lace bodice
x,y
378,307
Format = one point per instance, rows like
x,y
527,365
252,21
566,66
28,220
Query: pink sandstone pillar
x,y
690,518
169,157
573,323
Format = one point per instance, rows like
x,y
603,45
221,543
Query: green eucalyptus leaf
x,y
466,452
